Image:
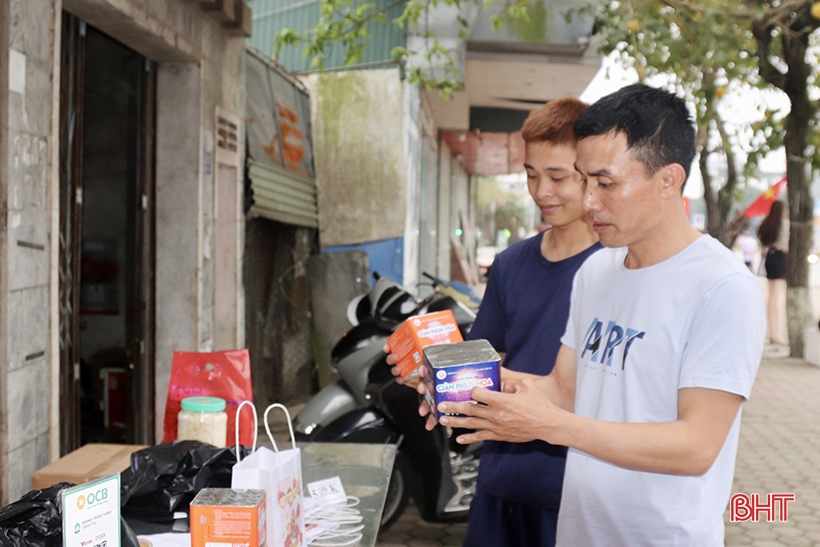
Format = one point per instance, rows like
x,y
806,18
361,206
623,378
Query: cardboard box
x,y
453,370
92,461
227,517
420,331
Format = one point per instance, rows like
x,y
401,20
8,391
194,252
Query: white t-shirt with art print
x,y
694,320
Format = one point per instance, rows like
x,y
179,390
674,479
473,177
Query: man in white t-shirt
x,y
662,346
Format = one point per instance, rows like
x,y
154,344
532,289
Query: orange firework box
x,y
229,518
420,331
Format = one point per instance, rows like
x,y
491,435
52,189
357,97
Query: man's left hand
x,y
519,416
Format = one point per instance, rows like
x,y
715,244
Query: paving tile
x,y
427,533
803,519
423,543
435,525
403,525
793,531
393,537
797,541
761,534
738,540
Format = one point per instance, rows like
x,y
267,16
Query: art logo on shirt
x,y
602,344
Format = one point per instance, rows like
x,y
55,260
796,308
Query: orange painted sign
x,y
291,137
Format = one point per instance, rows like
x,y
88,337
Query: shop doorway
x,y
106,240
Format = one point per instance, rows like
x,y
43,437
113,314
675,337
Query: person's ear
x,y
672,176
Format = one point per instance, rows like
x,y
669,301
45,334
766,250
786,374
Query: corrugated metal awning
x,y
283,195
281,183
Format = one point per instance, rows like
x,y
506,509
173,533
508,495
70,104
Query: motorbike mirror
x,y
390,301
358,309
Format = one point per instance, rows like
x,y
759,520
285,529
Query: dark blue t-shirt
x,y
524,313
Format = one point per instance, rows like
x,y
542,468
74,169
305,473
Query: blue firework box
x,y
453,370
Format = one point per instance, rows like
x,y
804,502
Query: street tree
x,y
776,35
700,53
783,30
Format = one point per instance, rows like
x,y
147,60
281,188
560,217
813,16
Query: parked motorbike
x,y
367,405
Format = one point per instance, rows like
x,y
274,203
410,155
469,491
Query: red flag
x,y
762,204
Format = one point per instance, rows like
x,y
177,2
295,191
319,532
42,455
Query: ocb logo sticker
x,y
98,496
81,502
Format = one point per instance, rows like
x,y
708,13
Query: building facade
x,y
395,164
121,179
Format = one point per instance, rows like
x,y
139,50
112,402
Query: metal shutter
x,y
283,195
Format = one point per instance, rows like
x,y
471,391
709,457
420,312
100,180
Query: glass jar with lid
x,y
203,419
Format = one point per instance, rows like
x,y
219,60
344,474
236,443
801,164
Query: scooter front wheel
x,y
398,491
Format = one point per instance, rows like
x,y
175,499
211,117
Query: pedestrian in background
x,y
774,237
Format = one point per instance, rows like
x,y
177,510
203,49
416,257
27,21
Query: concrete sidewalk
x,y
779,452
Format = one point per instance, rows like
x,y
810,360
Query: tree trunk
x,y
708,191
800,201
718,201
712,221
725,196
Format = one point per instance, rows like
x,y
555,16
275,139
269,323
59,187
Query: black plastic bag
x,y
36,519
165,478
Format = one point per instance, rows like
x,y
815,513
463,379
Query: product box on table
x,y
229,518
420,331
453,370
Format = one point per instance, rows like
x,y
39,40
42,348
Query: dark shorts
x,y
498,522
776,264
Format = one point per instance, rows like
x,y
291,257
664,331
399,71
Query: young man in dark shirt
x,y
523,315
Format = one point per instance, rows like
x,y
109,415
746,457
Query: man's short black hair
x,y
658,128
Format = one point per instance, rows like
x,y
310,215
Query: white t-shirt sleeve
x,y
725,341
569,331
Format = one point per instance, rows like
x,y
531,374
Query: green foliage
x,y
708,46
528,22
345,22
703,49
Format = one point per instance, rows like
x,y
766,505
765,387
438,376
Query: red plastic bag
x,y
225,374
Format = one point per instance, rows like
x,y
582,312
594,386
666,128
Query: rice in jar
x,y
203,419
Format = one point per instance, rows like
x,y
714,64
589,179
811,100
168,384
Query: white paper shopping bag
x,y
279,474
